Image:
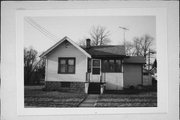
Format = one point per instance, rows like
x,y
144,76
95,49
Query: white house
x,y
74,68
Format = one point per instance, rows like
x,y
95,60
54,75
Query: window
x,y
105,65
112,65
145,73
118,66
96,63
66,65
65,84
96,67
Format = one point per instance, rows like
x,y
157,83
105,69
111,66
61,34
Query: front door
x,y
96,70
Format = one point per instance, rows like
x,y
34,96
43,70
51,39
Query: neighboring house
x,y
74,68
147,78
150,76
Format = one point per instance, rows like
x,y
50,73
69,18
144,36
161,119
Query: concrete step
x,y
94,88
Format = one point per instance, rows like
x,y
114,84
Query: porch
x,y
104,73
95,87
107,81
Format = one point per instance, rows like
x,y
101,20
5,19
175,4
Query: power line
x,y
41,29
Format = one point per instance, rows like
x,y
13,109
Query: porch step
x,y
94,88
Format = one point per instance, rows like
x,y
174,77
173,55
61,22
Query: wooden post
x,y
122,65
102,89
149,66
86,87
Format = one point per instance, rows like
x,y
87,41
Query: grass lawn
x,y
146,99
38,98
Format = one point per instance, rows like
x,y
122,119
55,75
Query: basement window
x,y
65,84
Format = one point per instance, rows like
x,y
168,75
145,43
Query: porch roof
x,y
135,59
106,50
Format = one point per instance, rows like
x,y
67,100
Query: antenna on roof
x,y
124,33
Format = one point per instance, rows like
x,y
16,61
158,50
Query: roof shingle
x,y
108,50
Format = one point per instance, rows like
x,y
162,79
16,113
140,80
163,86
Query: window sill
x,y
66,73
112,72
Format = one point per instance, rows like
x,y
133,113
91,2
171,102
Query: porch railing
x,y
102,77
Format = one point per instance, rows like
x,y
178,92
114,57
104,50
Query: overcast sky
x,y
78,27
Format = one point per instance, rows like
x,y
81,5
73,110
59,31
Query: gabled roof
x,y
61,41
135,59
106,50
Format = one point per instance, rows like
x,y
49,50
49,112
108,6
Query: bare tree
x,y
137,46
129,48
39,71
142,45
82,42
99,35
34,70
29,62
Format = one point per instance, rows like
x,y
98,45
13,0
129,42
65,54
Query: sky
x,y
78,27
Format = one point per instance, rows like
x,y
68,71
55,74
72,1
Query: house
x,y
74,68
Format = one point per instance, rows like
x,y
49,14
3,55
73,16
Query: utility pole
x,y
149,57
149,60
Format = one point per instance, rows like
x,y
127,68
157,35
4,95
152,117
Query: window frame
x,y
108,66
66,65
96,67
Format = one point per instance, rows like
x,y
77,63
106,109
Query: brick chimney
x,y
88,43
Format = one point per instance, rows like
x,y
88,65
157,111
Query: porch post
x,y
102,89
86,87
122,66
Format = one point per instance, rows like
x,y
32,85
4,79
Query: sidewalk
x,y
90,101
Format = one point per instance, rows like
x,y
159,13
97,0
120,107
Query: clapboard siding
x,y
114,81
66,50
132,74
